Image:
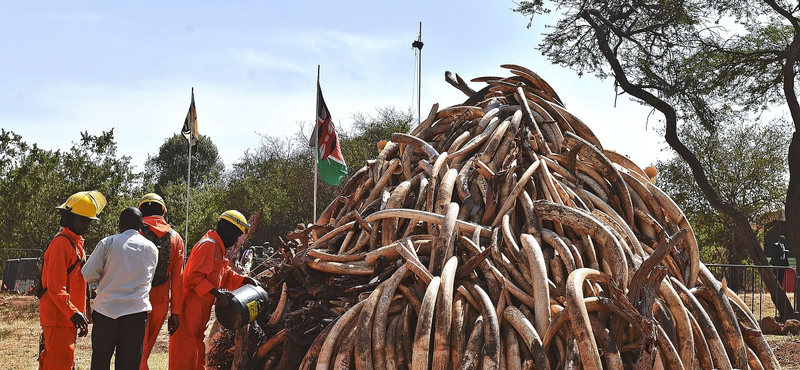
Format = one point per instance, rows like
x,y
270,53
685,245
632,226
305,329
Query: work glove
x,y
80,322
222,298
250,281
172,323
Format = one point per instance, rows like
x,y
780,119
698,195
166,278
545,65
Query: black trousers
x,y
124,334
776,261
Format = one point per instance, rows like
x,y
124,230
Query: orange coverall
x,y
65,296
168,296
206,269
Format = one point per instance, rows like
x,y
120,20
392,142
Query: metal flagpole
x,y
316,148
189,175
418,45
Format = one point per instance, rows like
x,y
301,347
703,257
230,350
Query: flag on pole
x,y
330,161
189,129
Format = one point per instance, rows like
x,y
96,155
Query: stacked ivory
x,y
503,236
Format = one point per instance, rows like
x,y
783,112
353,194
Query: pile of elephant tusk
x,y
500,234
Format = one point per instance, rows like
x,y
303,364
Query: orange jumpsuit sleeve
x,y
176,274
59,256
200,266
230,279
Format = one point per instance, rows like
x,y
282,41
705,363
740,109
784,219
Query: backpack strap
x,y
77,258
71,267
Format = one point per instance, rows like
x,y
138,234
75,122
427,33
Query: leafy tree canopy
x,y
170,164
755,177
360,143
35,181
278,176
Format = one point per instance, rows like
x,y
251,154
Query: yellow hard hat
x,y
154,198
85,203
236,218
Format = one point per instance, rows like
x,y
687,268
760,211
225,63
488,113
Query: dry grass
x,y
19,337
761,303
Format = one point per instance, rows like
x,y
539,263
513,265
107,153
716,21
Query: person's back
x,y
123,264
125,286
166,292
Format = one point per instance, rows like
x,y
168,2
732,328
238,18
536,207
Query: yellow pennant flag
x,y
189,129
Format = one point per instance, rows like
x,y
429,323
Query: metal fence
x,y
10,253
746,281
20,269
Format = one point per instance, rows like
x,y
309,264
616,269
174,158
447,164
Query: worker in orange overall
x,y
206,272
166,292
62,306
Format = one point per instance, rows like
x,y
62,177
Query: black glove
x,y
80,322
222,298
250,281
172,323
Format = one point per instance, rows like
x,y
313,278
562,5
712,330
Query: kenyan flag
x,y
330,161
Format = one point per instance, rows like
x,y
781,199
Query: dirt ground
x,y
786,349
19,338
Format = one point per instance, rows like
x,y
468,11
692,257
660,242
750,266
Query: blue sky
x,y
68,67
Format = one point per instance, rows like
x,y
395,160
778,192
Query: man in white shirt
x,y
124,265
780,258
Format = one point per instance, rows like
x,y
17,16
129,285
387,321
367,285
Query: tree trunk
x,y
741,223
792,55
792,210
793,199
736,254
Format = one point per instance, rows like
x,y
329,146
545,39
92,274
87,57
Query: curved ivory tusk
x,y
579,316
538,278
518,187
444,316
363,348
586,224
491,345
379,329
324,358
422,335
416,143
279,309
429,217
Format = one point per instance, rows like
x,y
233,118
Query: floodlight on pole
x,y
417,45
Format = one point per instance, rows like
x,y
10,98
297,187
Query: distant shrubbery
x,y
277,176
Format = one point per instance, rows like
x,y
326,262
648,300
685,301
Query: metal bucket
x,y
244,307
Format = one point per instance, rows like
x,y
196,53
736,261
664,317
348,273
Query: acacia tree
x,y
30,188
755,183
207,203
170,164
278,176
92,164
34,181
676,57
360,142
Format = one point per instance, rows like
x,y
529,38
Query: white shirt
x,y
124,264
